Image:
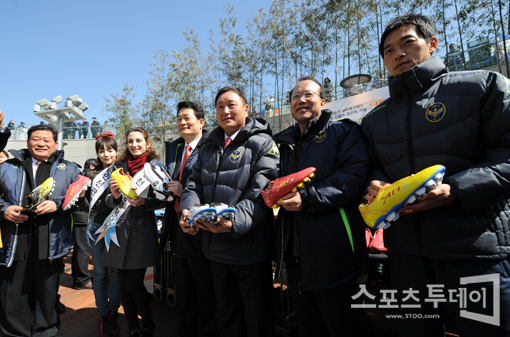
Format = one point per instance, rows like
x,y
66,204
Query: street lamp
x,y
73,110
355,81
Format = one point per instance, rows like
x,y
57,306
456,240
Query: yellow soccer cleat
x,y
41,193
124,181
391,198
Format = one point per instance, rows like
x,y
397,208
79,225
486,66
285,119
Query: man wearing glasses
x,y
320,232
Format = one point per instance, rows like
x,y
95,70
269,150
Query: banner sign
x,y
357,106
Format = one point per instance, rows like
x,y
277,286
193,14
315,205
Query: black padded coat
x,y
460,120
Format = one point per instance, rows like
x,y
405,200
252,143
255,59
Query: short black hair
x,y
43,127
422,24
237,90
6,153
307,78
197,108
90,161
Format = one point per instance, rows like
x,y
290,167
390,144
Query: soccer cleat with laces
x,y
124,181
158,177
201,212
74,190
280,187
391,198
41,193
224,211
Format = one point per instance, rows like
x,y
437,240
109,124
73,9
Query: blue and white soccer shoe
x,y
224,211
201,212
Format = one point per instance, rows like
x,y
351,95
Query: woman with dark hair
x,y
107,299
137,233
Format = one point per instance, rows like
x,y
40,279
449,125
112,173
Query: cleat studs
x,y
312,175
300,185
307,180
420,191
429,183
390,217
438,177
411,199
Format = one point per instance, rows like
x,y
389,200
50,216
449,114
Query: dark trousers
x,y
324,312
244,297
135,298
195,298
23,283
81,256
439,280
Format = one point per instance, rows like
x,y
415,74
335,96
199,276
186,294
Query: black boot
x,y
148,332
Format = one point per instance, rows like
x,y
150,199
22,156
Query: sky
x,y
90,48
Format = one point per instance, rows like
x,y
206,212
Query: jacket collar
x,y
292,133
417,79
171,146
23,154
252,126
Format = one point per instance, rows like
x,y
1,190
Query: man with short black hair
x,y
84,129
320,233
95,128
195,295
35,241
459,231
234,164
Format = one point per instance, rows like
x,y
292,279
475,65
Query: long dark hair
x,y
152,152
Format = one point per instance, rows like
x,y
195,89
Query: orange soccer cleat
x,y
124,181
282,186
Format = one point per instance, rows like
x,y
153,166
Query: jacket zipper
x,y
409,133
218,170
20,203
411,152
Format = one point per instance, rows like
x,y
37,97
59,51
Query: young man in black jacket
x,y
234,164
458,234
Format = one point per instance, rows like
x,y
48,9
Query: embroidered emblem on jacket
x,y
320,137
235,156
61,166
274,150
435,112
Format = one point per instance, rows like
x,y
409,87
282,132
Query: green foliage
x,y
293,38
125,114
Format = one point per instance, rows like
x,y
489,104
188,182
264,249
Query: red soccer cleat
x,y
74,190
377,243
282,186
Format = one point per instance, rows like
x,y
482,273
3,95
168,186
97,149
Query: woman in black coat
x,y
137,235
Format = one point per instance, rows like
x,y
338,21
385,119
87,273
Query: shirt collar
x,y
194,143
234,135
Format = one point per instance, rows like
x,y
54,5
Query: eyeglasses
x,y
307,95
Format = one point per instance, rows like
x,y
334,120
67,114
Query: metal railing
x,y
78,132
